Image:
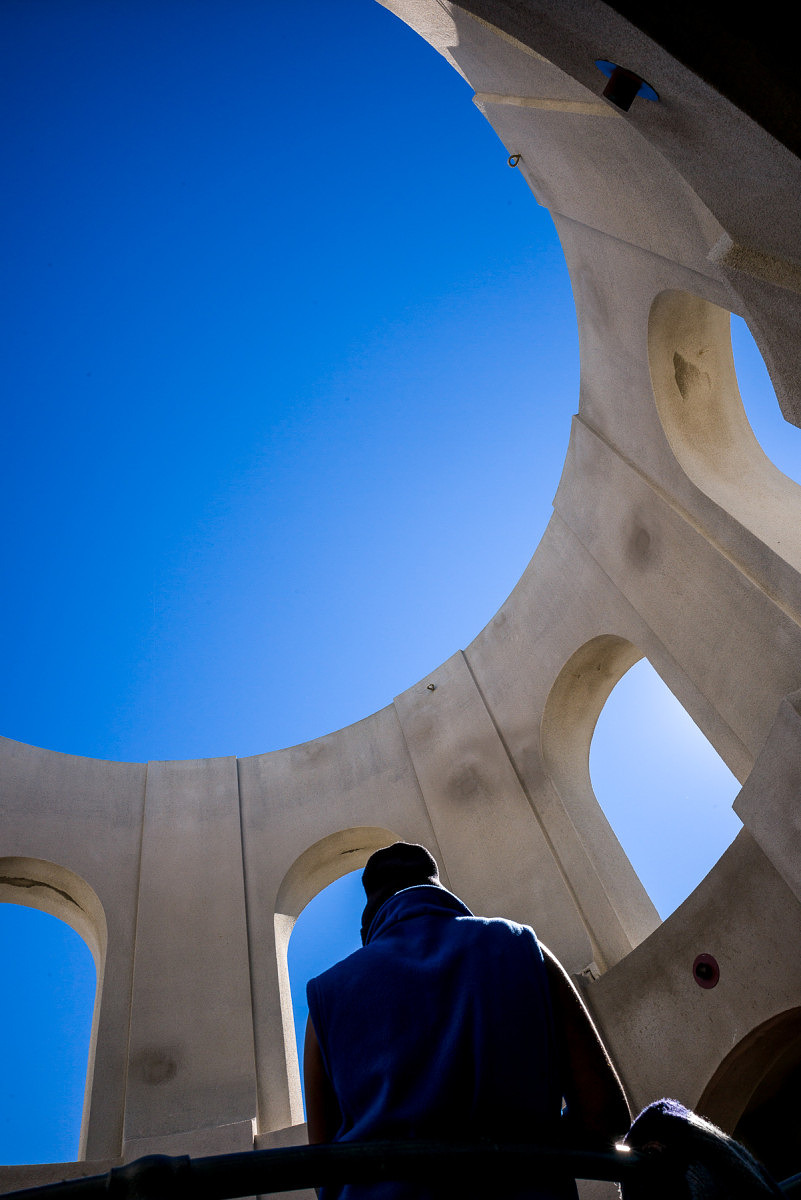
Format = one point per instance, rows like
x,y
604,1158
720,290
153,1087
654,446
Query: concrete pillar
x,y
497,856
769,802
191,1063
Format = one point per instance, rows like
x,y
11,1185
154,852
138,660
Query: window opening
x,y
706,423
780,440
46,1008
326,931
663,787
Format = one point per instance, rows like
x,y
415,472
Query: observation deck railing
x,y
436,1164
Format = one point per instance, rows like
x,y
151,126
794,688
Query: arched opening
x,y
64,943
616,909
325,932
326,861
702,414
755,1094
664,789
780,440
571,711
46,1005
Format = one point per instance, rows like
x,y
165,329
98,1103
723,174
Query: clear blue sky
x,y
289,358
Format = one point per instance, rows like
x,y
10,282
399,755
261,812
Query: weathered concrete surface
x,y
666,1033
310,814
191,958
296,1136
14,1179
769,801
476,800
221,1139
85,816
673,537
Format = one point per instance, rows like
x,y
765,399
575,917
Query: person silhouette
x,y
449,1026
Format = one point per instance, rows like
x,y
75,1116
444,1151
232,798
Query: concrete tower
x,y
673,537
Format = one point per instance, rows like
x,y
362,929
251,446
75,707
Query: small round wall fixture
x,y
624,86
706,971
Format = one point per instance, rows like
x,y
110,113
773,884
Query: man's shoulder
x,y
344,967
502,927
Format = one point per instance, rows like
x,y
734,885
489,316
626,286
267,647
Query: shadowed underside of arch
x,y
754,1094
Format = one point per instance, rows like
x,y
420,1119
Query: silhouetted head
x,y
391,870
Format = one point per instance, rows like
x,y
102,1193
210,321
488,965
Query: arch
x,y
778,434
573,706
319,865
47,1005
661,783
327,931
53,889
569,718
703,417
753,1086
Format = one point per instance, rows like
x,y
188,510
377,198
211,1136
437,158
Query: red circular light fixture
x,y
706,971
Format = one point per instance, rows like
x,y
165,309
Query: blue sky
x,y
274,312
289,356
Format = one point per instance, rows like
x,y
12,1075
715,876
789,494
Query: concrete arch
x,y
754,1094
702,414
574,704
761,1057
58,891
571,711
325,861
328,859
61,893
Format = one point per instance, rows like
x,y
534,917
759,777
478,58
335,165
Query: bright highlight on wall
x,y
46,1005
663,787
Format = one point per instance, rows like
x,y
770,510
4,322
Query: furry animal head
x,y
692,1159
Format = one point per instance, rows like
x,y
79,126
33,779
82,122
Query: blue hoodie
x,y
440,1027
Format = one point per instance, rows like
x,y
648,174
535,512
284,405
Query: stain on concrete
x,y
156,1065
641,546
692,382
19,882
467,783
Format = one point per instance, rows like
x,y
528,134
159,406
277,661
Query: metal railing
x,y
436,1164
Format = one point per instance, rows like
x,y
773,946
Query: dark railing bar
x,y
260,1172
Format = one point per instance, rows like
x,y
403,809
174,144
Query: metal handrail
x,y
261,1172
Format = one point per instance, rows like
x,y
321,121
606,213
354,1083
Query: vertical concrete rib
x,y
191,1064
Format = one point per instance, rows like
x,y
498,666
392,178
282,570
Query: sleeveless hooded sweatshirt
x,y
440,1027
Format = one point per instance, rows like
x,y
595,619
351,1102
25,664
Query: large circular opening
x,y
291,355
